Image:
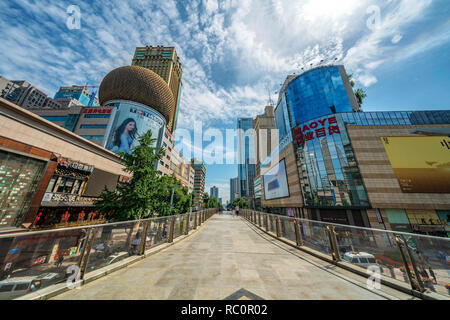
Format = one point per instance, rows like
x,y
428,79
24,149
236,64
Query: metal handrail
x,y
31,233
356,227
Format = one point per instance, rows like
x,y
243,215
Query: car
x,y
15,287
362,259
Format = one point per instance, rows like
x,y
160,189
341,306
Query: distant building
x,y
246,158
199,180
214,192
234,189
79,93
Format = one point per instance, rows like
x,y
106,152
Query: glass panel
x,y
114,243
158,232
37,261
287,229
315,236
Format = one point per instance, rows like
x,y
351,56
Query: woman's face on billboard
x,y
130,126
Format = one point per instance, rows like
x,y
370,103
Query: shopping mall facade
x,y
335,163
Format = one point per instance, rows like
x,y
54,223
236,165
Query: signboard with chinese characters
x,y
97,110
316,129
67,163
421,164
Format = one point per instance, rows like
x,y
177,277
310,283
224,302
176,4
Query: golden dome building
x,y
142,101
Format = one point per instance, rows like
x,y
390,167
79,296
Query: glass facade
x,y
396,118
246,156
327,166
316,93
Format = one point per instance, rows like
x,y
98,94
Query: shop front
x,y
426,222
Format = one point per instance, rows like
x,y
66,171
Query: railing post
x,y
333,243
259,219
87,251
416,283
267,222
277,223
172,226
143,237
413,262
298,235
195,220
186,228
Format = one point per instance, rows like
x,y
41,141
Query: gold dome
x,y
140,85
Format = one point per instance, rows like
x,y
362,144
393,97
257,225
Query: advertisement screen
x,y
421,164
275,182
129,122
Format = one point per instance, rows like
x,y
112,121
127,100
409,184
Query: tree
x,y
240,202
359,93
134,200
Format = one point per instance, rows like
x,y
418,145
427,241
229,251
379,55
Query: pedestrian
x,y
237,210
60,260
432,274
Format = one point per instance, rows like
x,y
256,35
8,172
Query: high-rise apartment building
x,y
165,62
246,157
199,180
234,189
264,134
214,192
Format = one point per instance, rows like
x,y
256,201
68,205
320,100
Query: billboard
x,y
421,164
128,122
275,182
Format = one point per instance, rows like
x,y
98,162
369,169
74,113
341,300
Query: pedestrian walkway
x,y
229,258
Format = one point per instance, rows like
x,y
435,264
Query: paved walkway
x,y
225,256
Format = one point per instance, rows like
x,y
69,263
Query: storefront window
x,y
65,186
51,184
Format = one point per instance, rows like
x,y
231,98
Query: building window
x,y
97,116
55,118
65,186
51,184
93,126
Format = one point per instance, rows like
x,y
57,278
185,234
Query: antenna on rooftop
x,y
269,100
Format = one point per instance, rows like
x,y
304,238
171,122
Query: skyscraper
x,y
199,180
165,62
214,192
246,157
234,189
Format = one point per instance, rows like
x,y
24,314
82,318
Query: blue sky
x,y
232,50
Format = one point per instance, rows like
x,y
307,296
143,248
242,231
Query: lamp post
x,y
171,197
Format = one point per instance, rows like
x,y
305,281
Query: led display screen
x,y
275,182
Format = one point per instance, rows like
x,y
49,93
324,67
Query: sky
x,y
234,53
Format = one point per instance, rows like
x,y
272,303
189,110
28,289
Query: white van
x,y
15,287
362,259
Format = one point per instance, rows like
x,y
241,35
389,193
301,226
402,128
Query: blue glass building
x,y
246,157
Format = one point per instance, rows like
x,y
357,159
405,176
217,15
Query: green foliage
x,y
240,202
360,95
148,193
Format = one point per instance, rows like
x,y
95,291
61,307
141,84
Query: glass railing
x,y
422,262
34,260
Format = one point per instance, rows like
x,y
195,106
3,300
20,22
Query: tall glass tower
x,y
246,157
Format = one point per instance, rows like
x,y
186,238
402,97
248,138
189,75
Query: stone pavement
x,y
224,259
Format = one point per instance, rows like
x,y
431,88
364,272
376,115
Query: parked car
x,y
12,288
362,259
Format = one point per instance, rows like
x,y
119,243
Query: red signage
x,y
40,260
316,129
97,110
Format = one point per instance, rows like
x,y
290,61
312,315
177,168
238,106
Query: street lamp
x,y
171,197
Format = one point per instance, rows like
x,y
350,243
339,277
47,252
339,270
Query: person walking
x,y
432,274
60,260
237,210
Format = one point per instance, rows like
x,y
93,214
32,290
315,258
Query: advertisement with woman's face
x,y
129,122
